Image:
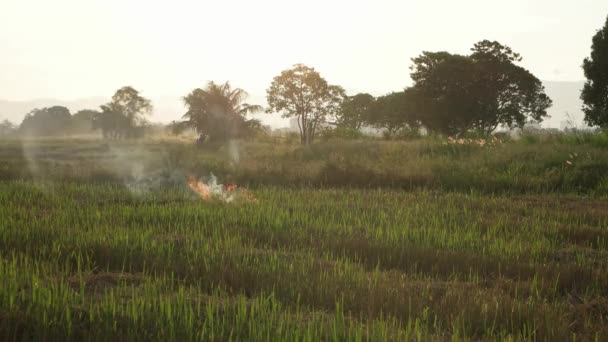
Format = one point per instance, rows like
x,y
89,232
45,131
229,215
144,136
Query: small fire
x,y
212,190
199,187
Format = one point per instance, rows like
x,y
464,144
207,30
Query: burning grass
x,y
211,190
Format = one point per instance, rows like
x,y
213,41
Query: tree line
x,y
451,94
123,117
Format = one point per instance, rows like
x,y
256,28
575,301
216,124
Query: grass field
x,y
347,241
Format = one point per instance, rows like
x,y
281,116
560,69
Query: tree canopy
x,y
46,121
355,111
82,121
595,91
454,94
394,112
124,116
302,93
219,112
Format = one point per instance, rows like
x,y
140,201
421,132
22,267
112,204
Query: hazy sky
x,y
70,49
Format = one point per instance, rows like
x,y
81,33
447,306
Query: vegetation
x,y
355,111
302,93
218,113
595,92
395,113
91,249
46,121
124,116
7,129
454,94
461,234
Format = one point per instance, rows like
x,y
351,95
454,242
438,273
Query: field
x,y
359,240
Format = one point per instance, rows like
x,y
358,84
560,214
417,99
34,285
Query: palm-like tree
x,y
218,111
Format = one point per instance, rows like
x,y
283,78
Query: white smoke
x,y
233,152
218,190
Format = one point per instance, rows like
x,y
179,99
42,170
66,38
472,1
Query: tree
x,y
7,128
130,104
82,121
112,123
354,111
124,116
46,121
444,92
394,112
509,95
478,92
595,91
218,112
302,93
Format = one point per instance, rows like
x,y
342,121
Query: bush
x,y
341,133
587,176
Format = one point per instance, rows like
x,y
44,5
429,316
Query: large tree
x,y
218,112
479,92
595,91
132,105
124,116
46,121
82,121
509,95
302,93
443,94
354,111
394,112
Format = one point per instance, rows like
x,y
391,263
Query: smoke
x,y
233,152
212,189
142,170
33,150
142,167
218,190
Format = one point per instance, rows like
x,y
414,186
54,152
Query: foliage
x,y
533,164
7,128
82,121
354,111
128,102
454,94
124,116
341,133
511,94
595,91
46,122
112,123
218,112
302,93
394,112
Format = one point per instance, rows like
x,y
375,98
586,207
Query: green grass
x,y
93,247
554,165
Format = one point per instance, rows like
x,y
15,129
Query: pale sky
x,y
70,49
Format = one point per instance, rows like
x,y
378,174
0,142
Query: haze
x,y
69,49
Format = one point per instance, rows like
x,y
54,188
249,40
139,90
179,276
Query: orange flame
x,y
213,191
199,187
